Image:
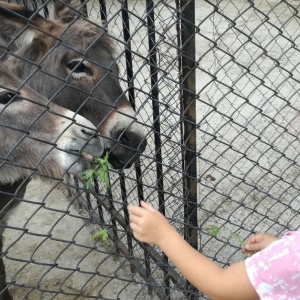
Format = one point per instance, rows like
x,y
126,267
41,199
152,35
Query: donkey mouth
x,y
118,163
83,154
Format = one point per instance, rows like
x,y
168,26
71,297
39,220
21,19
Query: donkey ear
x,y
19,24
67,10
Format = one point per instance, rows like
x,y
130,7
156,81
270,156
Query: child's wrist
x,y
167,236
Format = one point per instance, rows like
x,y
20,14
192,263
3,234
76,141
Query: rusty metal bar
x,y
188,110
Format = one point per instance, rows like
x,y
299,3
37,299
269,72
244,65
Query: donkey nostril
x,y
125,138
133,140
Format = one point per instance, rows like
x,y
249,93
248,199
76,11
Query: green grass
x,y
101,234
214,231
100,172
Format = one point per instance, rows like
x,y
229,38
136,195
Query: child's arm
x,y
232,283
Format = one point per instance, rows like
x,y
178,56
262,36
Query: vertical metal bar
x,y
103,13
128,54
188,105
78,191
126,215
156,118
46,10
34,4
89,203
131,97
99,206
131,94
113,219
83,9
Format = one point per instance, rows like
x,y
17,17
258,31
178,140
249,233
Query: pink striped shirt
x,y
275,271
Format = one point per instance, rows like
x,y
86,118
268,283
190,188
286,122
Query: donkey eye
x,y
77,67
6,97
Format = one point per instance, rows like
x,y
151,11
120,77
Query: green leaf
x,y
213,230
101,234
88,176
100,172
236,237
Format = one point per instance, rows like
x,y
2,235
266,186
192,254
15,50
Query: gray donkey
x,y
37,138
70,61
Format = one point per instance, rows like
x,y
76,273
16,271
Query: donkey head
x,y
70,61
38,137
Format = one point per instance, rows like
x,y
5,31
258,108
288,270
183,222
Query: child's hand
x,y
148,225
258,242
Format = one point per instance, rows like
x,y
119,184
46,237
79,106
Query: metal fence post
x,y
156,114
188,112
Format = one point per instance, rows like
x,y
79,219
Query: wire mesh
x,y
215,86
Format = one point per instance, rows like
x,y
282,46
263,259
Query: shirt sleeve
x,y
275,271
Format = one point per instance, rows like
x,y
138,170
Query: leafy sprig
x,y
100,172
101,234
215,231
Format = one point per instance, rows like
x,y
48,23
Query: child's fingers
x,y
133,226
134,210
133,218
248,250
248,253
137,210
251,246
147,206
255,242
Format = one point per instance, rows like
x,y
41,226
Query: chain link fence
x,y
215,85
